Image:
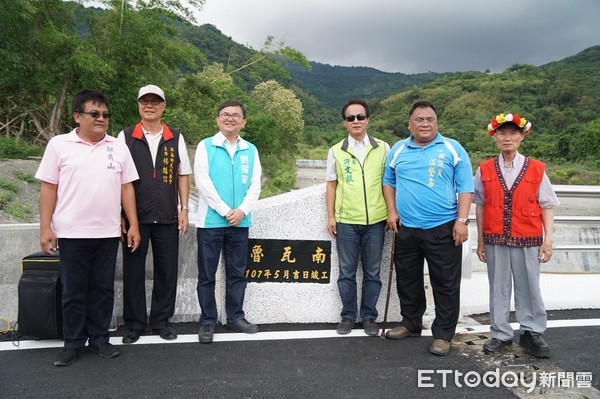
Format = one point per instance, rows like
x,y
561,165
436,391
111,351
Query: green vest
x,y
359,193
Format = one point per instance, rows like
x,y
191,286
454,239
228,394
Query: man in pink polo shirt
x,y
86,176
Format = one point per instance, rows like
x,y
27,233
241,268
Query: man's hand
x,y
392,222
235,216
47,241
460,233
133,238
331,226
545,252
481,252
183,222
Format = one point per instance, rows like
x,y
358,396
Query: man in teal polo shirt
x,y
227,173
356,215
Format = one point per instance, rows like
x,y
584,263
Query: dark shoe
x,y
495,345
242,325
131,336
205,335
370,327
401,332
106,350
535,344
440,347
68,356
165,332
345,327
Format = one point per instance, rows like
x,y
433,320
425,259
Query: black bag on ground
x,y
40,290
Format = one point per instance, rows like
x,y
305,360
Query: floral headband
x,y
523,124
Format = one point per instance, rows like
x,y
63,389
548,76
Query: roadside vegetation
x,y
12,193
50,49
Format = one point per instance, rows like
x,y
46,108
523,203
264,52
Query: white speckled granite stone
x,y
302,215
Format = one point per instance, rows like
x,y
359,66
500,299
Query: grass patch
x,y
9,186
11,148
571,173
26,177
5,198
9,198
306,151
15,209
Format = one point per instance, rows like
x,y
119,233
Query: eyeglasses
x,y
420,121
360,117
225,116
154,101
97,114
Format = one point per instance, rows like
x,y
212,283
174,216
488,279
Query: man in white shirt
x,y
227,171
162,161
357,214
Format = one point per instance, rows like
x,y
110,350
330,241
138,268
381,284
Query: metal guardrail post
x,y
576,191
573,192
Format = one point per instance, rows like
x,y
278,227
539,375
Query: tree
x,y
272,98
268,57
51,48
126,63
36,56
195,98
276,124
183,10
585,143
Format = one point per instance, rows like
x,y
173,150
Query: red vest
x,y
512,217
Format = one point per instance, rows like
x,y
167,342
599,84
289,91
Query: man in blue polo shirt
x,y
422,178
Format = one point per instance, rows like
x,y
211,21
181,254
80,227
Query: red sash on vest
x,y
512,217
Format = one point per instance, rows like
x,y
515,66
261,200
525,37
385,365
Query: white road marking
x,y
275,335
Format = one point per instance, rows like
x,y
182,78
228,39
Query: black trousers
x,y
444,261
165,252
87,271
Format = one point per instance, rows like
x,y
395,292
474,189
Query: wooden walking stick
x,y
389,287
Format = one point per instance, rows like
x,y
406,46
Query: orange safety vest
x,y
512,217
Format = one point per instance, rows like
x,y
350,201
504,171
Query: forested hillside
x,y
52,48
335,84
560,99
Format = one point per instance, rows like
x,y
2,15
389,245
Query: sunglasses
x,y
96,114
360,117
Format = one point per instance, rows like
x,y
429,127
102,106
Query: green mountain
x,y
221,49
334,85
50,49
560,98
323,89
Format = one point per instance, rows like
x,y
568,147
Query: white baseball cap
x,y
151,89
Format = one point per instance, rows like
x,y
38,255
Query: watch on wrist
x,y
464,220
185,208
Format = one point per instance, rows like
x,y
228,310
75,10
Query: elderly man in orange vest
x,y
515,224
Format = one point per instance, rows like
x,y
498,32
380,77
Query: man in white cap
x,y
162,161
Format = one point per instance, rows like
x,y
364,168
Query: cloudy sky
x,y
415,36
